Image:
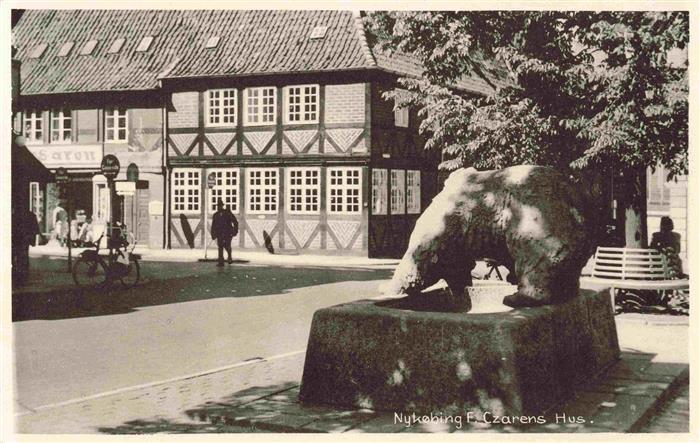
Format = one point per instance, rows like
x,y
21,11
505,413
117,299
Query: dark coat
x,y
223,225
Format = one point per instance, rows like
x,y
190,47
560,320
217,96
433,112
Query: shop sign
x,y
125,188
68,156
110,166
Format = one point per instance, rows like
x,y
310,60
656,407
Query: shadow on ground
x,y
276,408
180,282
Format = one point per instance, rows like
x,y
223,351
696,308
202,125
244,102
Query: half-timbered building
x,y
280,114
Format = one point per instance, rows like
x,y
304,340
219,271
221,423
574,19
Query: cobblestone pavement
x,y
262,396
674,416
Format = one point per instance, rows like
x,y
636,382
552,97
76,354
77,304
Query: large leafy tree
x,y
579,91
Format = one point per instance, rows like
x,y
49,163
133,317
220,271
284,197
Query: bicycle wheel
x,y
89,272
131,276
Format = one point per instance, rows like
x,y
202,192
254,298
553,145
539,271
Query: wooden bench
x,y
630,268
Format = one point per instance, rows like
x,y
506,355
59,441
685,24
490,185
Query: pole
x,y
110,185
206,222
68,204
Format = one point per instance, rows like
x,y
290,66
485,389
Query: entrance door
x,y
142,198
135,212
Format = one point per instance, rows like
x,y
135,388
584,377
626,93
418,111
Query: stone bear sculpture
x,y
529,218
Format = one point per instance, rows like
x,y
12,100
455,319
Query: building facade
x,y
284,120
313,163
75,133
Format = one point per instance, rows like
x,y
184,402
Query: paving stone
x,y
430,428
670,369
284,423
632,387
636,369
627,355
624,412
287,408
348,420
674,416
480,427
384,423
290,395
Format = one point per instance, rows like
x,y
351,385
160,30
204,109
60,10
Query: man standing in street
x,y
224,227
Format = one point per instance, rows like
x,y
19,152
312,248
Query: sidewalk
x,y
193,255
645,392
52,275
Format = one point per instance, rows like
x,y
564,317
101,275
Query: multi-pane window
x,y
658,192
221,107
36,201
260,106
400,114
398,189
116,125
303,190
379,191
33,127
302,104
262,190
225,188
344,189
186,190
413,192
61,126
101,202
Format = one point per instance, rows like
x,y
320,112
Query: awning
x,y
25,165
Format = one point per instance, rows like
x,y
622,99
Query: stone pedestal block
x,y
393,356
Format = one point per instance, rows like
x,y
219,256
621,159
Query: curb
x,y
654,319
666,396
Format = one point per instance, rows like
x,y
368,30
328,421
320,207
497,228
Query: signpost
x,y
63,182
211,182
110,169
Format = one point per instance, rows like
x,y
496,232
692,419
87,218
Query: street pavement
x,y
186,318
123,360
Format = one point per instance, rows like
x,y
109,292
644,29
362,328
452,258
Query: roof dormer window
x,y
65,49
38,51
88,47
116,46
145,44
319,32
213,42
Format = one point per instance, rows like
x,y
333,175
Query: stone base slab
x,y
384,356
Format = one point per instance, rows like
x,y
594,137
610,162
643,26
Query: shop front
x,y
70,201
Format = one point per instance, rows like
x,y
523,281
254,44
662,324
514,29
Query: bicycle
x,y
92,270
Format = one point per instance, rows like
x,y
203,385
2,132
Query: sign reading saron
x,y
72,156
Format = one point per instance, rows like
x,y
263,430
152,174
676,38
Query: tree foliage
x,y
572,89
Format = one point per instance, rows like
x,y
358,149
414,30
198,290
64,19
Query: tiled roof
x,y
483,82
274,42
251,42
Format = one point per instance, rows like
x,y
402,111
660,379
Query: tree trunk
x,y
633,202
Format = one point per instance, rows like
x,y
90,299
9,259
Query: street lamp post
x,y
110,169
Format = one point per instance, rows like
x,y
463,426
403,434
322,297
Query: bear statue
x,y
529,218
